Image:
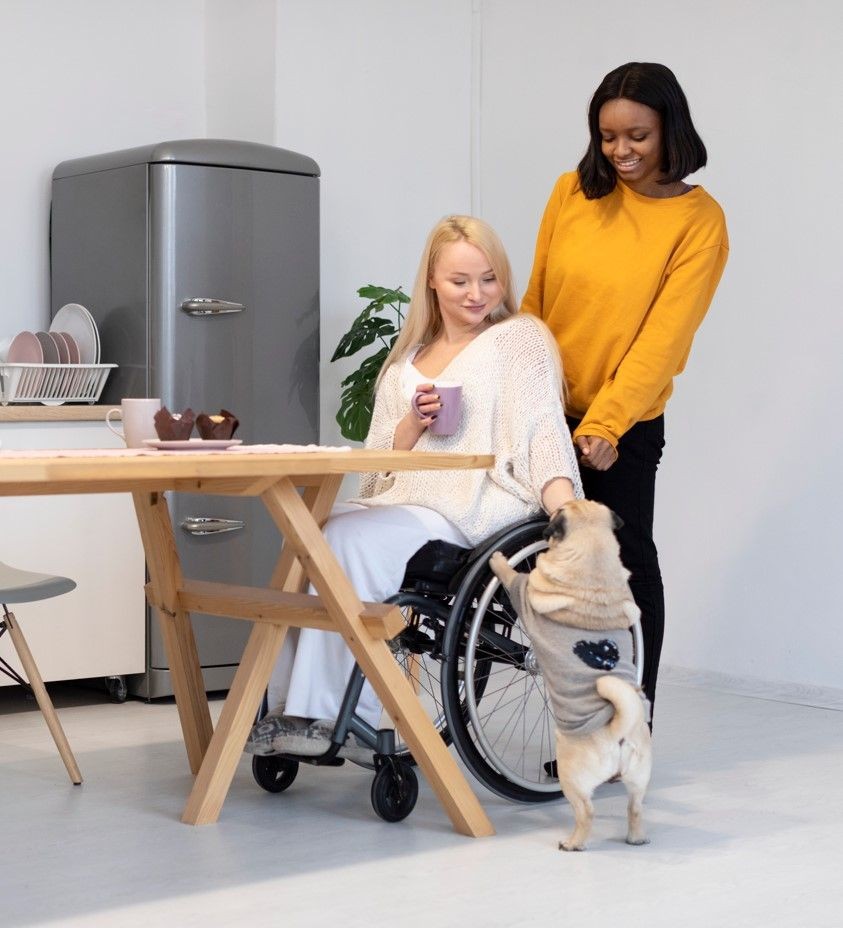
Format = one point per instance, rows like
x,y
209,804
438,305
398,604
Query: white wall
x,y
749,504
81,78
382,94
240,70
378,92
755,424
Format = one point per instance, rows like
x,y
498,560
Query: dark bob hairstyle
x,y
655,86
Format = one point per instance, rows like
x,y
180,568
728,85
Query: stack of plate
x,y
73,339
75,321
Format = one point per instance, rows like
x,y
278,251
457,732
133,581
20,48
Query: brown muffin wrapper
x,y
217,430
170,429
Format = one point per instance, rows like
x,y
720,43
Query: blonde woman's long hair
x,y
423,321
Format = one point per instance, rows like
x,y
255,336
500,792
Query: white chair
x,y
23,586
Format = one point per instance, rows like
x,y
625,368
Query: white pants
x,y
372,545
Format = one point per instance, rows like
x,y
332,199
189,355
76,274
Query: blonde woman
x,y
462,325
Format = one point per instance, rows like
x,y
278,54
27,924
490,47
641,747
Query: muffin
x,y
222,425
173,426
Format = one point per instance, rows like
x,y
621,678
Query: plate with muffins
x,y
174,431
193,444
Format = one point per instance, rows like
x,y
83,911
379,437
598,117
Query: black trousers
x,y
629,488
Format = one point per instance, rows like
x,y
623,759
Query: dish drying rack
x,y
52,384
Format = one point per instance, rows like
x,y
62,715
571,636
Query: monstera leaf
x,y
372,325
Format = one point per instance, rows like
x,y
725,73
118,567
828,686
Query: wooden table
x,y
213,754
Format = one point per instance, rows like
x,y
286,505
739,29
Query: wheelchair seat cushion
x,y
439,566
433,566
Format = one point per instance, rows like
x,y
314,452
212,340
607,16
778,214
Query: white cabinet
x,y
98,629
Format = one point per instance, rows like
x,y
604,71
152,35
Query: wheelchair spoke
x,y
517,728
418,652
519,702
502,648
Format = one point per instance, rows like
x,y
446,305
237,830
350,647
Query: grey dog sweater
x,y
571,661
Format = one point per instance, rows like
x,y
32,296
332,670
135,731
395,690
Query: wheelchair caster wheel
x,y
274,774
395,790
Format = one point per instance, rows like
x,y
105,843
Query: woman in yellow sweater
x,y
627,260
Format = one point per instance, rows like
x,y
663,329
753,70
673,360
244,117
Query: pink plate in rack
x,y
49,347
25,349
72,347
61,346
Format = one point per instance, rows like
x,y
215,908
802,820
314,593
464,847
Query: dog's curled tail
x,y
629,706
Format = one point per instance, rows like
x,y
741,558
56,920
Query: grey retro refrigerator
x,y
199,260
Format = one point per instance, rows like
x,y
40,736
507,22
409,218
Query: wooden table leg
x,y
376,660
259,657
289,574
180,645
238,714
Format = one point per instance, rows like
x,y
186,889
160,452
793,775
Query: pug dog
x,y
577,607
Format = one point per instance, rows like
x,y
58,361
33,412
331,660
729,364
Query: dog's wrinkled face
x,y
579,511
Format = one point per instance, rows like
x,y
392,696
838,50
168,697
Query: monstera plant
x,y
380,322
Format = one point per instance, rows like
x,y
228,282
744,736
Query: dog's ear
x,y
555,530
617,521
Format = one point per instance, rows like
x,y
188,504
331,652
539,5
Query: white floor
x,y
745,813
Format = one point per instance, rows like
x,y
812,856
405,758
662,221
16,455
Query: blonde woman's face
x,y
466,286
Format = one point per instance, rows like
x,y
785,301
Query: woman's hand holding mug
x,y
438,406
425,404
423,409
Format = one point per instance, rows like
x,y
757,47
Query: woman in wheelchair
x,y
462,326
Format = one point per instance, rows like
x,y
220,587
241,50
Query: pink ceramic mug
x,y
448,417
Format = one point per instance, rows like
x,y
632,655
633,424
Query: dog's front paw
x,y
637,841
497,560
501,569
568,846
500,566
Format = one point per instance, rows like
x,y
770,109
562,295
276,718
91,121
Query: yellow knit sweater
x,y
623,282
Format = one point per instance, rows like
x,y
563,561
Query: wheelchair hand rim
x,y
483,740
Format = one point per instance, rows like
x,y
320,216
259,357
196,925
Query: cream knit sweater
x,y
510,408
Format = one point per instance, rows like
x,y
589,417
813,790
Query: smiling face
x,y
631,135
466,286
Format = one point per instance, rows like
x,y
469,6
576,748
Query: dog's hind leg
x,y
635,830
583,816
636,779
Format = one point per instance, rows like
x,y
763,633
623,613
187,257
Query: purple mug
x,y
448,417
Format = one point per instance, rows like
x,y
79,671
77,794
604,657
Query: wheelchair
x,y
470,662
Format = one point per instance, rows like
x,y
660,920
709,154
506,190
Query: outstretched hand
x,y
596,452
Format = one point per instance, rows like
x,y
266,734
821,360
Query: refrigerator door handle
x,y
200,525
204,306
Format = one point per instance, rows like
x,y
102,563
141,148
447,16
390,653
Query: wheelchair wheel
x,y
272,773
497,709
502,724
395,790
